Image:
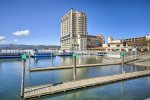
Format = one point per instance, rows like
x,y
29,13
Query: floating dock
x,y
69,67
37,91
78,66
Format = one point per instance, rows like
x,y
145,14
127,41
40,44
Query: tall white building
x,y
74,31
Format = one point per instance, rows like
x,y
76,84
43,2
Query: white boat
x,y
101,53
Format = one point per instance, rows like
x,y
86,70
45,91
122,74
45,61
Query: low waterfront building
x,y
95,41
97,49
113,45
111,40
141,43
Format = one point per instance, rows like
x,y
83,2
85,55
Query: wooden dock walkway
x,y
79,66
71,66
42,90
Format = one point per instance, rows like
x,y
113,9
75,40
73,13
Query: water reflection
x,y
66,60
39,62
82,59
0,65
29,78
122,88
10,60
43,58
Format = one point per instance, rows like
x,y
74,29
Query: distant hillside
x,y
22,46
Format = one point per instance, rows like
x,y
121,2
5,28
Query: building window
x,y
118,45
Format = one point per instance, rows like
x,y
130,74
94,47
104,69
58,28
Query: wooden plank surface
x,y
71,66
79,66
37,91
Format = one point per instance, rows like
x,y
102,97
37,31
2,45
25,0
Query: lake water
x,y
10,78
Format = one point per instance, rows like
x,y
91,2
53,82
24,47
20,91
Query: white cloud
x,y
21,33
15,40
2,39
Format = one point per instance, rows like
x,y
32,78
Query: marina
x,y
38,91
75,50
54,77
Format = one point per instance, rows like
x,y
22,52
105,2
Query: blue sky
x,y
39,20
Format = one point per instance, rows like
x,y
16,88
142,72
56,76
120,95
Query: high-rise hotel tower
x,y
74,31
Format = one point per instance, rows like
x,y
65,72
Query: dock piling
x,y
23,74
122,54
29,61
51,58
74,67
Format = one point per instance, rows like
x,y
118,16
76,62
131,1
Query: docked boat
x,y
43,54
37,53
101,53
65,53
10,55
113,54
